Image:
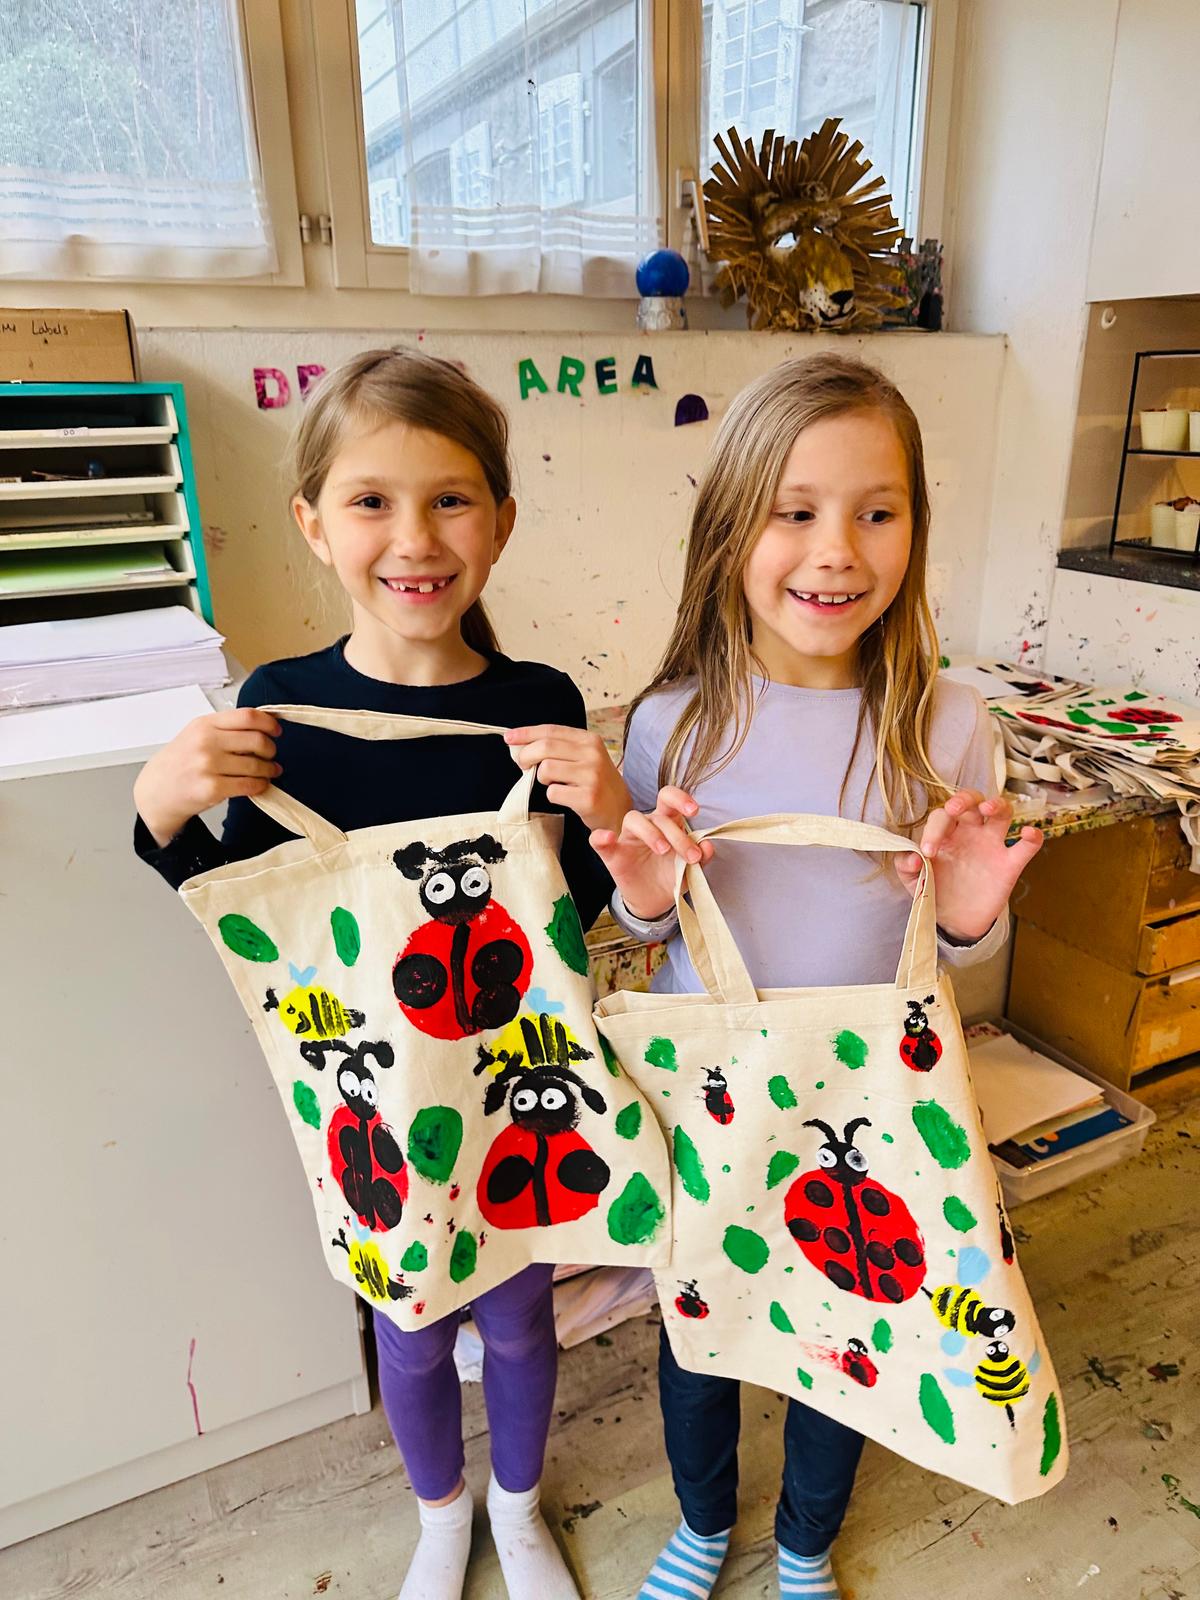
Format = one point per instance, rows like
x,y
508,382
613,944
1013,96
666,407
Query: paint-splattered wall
x,y
604,479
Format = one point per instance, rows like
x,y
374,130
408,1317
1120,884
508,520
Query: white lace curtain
x,y
510,143
127,145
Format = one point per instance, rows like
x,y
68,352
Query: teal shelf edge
x,y
183,440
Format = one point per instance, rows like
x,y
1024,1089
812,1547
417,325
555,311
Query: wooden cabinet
x,y
1106,962
1146,236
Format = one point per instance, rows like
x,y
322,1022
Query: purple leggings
x,y
421,1394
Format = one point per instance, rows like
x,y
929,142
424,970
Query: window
x,y
789,64
128,145
466,116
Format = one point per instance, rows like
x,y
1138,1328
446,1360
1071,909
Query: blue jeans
x,y
701,1419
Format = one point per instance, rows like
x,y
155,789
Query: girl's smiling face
x,y
834,550
407,521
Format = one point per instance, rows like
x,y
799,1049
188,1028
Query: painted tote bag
x,y
838,1230
421,993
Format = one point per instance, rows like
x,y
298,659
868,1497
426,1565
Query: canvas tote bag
x,y
421,993
838,1230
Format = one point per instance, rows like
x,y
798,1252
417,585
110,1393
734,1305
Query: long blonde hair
x,y
424,391
710,643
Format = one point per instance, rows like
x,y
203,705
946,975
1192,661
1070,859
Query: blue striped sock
x,y
687,1567
806,1577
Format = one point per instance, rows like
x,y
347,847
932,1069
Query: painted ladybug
x,y
1142,715
920,1047
717,1100
467,969
688,1302
857,1233
857,1364
366,1160
540,1170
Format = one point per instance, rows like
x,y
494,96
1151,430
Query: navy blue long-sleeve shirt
x,y
360,783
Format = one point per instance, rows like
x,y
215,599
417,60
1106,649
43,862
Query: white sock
x,y
438,1567
530,1560
806,1577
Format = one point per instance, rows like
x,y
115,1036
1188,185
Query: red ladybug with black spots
x,y
366,1160
540,1170
689,1302
857,1364
858,1234
467,968
920,1047
718,1102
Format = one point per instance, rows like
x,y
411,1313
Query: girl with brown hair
x,y
403,488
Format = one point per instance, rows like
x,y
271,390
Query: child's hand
x,y
974,871
575,770
212,759
641,854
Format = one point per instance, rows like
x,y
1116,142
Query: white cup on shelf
x,y
1164,429
1187,526
1163,525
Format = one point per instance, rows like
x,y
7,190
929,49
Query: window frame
x,y
358,263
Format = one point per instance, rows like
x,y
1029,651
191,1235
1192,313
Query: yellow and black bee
x,y
963,1311
1002,1378
314,1015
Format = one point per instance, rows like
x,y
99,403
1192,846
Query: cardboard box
x,y
60,346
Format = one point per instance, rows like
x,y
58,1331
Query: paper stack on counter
x,y
90,658
1032,1108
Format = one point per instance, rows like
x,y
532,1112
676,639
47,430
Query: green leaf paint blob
x,y
246,939
566,935
781,1165
628,1121
690,1167
306,1103
1051,1434
850,1049
944,1138
463,1256
780,1091
805,1377
881,1336
959,1216
637,1213
347,940
434,1140
660,1052
780,1318
745,1248
935,1408
415,1258
610,1060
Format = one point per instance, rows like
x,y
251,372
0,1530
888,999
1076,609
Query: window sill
x,y
1137,563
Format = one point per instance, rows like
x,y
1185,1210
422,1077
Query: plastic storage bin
x,y
1027,1183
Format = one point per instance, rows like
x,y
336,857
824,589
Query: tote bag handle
x,y
322,835
712,947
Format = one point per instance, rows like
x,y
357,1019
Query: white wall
x,y
1031,112
604,482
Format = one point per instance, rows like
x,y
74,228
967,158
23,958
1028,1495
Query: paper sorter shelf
x,y
71,538
37,574
79,488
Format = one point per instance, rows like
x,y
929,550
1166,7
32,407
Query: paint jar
x,y
1164,429
1194,431
1187,526
1162,525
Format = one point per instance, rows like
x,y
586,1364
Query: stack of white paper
x,y
89,658
96,732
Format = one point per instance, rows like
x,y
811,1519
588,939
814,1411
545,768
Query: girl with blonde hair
x,y
801,676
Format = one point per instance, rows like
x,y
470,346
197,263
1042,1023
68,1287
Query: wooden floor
x,y
1114,1266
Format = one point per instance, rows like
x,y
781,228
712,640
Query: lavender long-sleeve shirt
x,y
811,917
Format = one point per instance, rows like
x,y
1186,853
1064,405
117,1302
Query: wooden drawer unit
x,y
1124,894
1118,1023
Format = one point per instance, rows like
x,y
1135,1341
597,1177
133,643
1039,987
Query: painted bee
x,y
312,1012
1002,1378
963,1311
